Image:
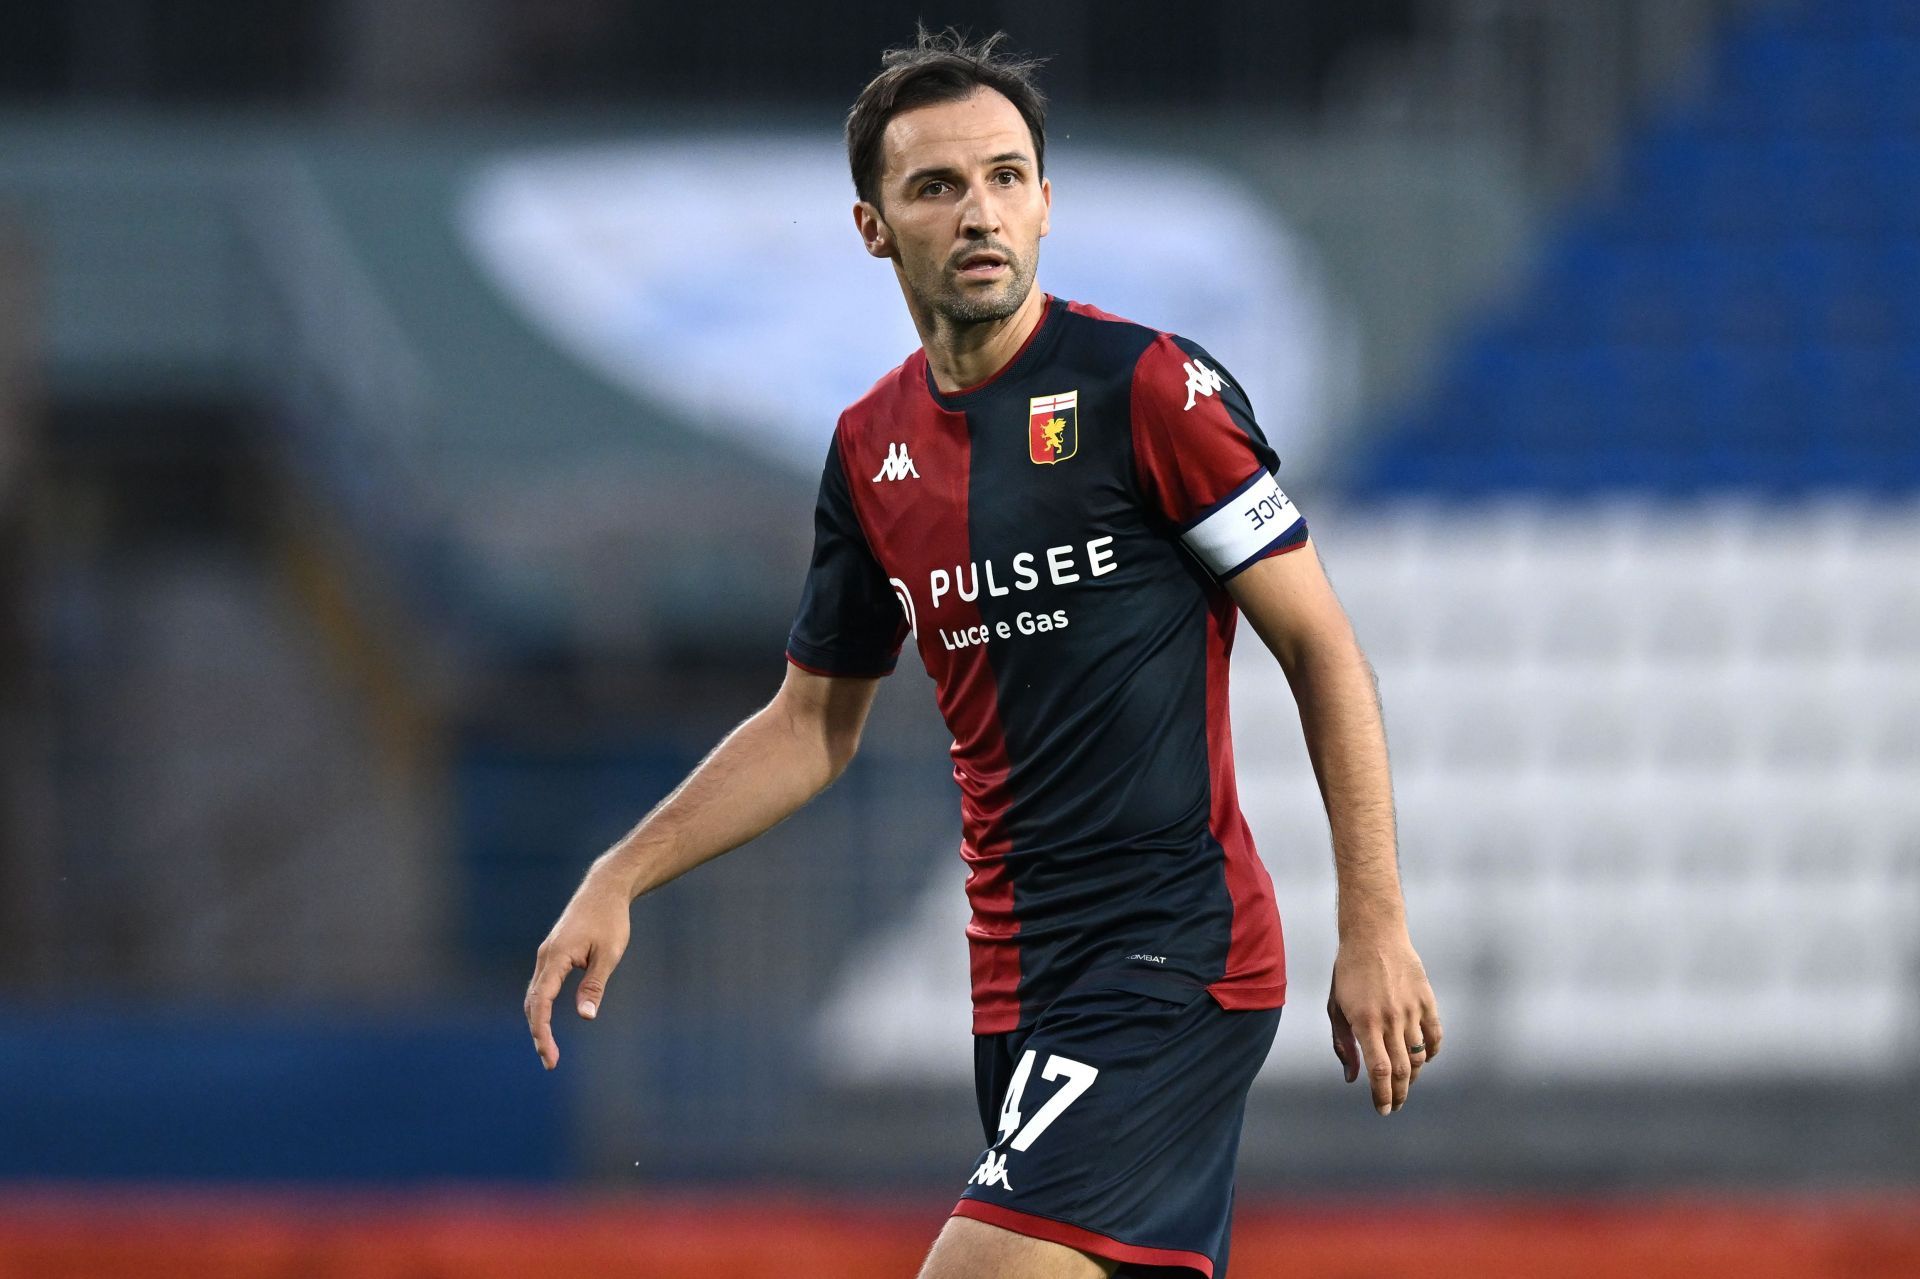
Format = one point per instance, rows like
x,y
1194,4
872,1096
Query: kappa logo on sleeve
x,y
898,465
1201,380
1053,427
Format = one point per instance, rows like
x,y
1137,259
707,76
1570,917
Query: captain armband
x,y
1246,524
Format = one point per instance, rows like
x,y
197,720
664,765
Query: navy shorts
x,y
1114,1122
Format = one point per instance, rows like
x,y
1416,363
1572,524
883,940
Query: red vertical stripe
x,y
1256,973
1189,457
929,515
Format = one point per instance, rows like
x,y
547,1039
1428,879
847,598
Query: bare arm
x,y
774,762
1381,1003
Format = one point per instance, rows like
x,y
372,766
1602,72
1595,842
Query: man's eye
x,y
1009,175
933,188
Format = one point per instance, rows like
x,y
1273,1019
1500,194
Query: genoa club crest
x,y
1053,427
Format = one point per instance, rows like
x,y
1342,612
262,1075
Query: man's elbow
x,y
827,741
1315,652
842,744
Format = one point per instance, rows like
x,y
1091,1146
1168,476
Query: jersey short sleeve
x,y
850,622
1203,463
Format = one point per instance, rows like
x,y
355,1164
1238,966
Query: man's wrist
x,y
1376,917
620,869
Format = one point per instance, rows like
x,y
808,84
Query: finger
x,y
1344,1046
592,991
547,980
1379,1070
1415,1059
1400,1070
1430,1029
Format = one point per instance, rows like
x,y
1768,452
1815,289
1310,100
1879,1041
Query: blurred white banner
x,y
723,278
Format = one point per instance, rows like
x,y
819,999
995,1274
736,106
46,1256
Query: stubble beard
x,y
958,304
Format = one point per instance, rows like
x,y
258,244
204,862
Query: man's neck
x,y
964,355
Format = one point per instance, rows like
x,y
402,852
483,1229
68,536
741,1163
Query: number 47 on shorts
x,y
1079,1077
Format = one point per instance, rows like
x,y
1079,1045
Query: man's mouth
x,y
982,264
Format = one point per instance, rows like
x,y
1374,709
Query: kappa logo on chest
x,y
897,466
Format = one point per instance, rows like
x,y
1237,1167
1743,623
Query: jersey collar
x,y
1030,352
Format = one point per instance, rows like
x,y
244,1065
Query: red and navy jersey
x,y
1056,540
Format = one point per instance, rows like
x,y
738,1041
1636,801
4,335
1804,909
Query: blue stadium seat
x,y
1878,19
1743,314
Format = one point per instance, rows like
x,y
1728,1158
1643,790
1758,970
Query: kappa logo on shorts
x,y
991,1172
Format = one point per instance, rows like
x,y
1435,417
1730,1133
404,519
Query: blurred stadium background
x,y
408,411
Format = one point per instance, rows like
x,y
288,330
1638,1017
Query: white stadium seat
x,y
1659,781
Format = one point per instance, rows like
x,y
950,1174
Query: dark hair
x,y
939,68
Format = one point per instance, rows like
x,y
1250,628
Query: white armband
x,y
1247,522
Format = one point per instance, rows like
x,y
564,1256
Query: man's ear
x,y
1046,202
873,229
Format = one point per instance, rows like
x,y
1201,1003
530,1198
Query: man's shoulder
x,y
890,393
1144,347
1088,311
1115,333
1160,362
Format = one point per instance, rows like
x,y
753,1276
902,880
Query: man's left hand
x,y
1383,1013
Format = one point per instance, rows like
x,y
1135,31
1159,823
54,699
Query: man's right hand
x,y
761,773
591,933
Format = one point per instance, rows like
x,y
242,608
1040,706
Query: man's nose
x,y
979,213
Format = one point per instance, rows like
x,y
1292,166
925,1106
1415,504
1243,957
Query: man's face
x,y
962,206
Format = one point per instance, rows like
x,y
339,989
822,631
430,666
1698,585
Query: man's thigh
x,y
969,1249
